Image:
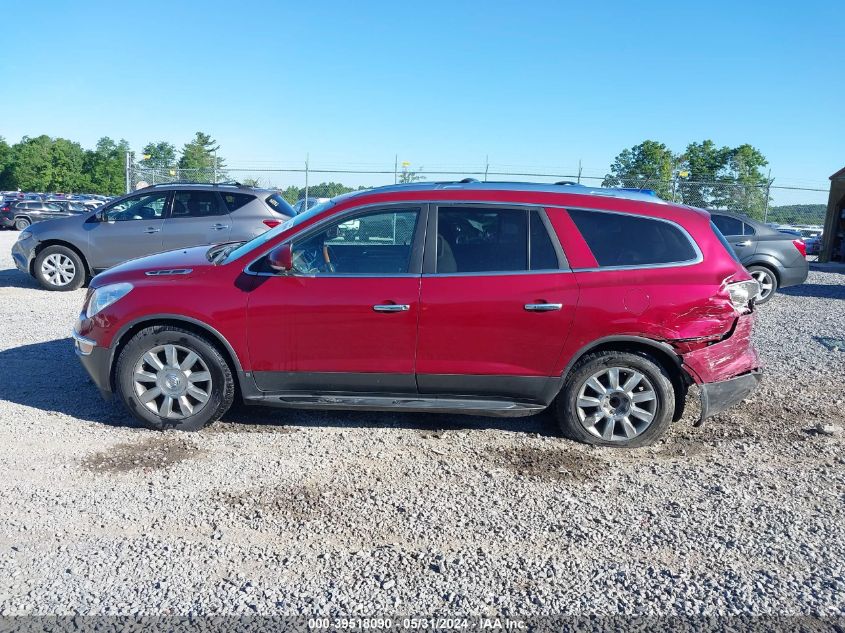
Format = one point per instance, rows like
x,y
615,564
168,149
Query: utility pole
x,y
214,158
579,171
128,173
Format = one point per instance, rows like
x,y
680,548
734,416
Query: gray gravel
x,y
288,512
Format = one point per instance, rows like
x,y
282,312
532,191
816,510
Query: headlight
x,y
104,296
742,293
24,235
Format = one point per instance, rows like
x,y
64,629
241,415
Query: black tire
x,y
662,405
221,387
22,223
60,252
765,276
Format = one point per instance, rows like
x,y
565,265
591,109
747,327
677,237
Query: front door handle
x,y
543,307
391,307
745,243
151,229
219,227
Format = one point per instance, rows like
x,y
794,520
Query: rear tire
x,y
22,224
768,282
59,268
619,399
170,378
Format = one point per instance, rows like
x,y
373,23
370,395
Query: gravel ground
x,y
293,512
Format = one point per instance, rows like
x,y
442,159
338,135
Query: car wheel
x,y
22,224
59,268
768,283
616,399
170,378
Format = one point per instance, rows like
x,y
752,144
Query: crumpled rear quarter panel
x,y
730,357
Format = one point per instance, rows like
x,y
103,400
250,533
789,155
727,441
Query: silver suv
x,y
62,254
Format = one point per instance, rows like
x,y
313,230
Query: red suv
x,y
484,298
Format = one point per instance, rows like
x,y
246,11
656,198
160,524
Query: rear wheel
x,y
22,223
616,399
59,268
170,378
768,282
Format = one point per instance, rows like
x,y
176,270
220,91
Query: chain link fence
x,y
757,201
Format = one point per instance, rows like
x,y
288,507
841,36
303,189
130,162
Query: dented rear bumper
x,y
727,371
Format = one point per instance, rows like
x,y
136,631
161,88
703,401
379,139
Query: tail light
x,y
801,246
272,223
742,294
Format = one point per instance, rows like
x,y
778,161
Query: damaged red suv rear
x,y
483,298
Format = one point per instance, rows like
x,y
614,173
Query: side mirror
x,y
281,258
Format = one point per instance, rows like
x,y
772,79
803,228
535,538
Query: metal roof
x,y
642,195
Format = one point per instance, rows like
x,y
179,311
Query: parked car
x,y
304,204
813,244
23,213
775,259
62,254
70,206
493,298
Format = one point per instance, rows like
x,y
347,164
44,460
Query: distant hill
x,y
798,214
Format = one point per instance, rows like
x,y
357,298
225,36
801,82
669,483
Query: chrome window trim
x,y
504,273
699,256
418,205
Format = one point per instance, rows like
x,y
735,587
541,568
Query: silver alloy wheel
x,y
616,404
58,269
767,283
172,381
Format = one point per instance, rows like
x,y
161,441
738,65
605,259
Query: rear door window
x,y
727,225
619,239
748,229
195,204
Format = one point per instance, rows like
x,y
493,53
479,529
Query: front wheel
x,y
22,224
616,399
170,378
59,268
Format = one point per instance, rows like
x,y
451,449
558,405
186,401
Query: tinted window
x,y
279,205
727,225
195,204
147,206
749,230
471,240
375,243
543,255
618,239
723,241
236,200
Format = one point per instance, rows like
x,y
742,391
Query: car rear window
x,y
618,239
236,200
279,205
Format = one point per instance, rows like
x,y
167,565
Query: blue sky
x,y
441,84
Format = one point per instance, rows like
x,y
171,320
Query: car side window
x,y
479,240
195,204
236,200
748,229
727,225
146,206
620,239
371,244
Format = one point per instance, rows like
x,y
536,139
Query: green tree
x,y
291,194
324,190
201,160
32,163
5,164
106,165
68,162
406,175
649,165
750,193
706,166
161,155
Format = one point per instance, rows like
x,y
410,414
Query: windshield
x,y
265,237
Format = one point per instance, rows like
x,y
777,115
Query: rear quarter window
x,y
618,239
236,200
279,205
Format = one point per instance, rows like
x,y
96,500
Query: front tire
x,y
59,268
768,283
170,378
619,399
22,224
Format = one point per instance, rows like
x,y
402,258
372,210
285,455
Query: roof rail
x,y
228,183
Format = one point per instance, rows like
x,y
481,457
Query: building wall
x,y
834,223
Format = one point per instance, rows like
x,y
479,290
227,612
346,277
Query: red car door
x,y
497,302
346,319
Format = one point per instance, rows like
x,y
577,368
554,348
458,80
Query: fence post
x,y
486,166
395,168
766,202
306,181
127,172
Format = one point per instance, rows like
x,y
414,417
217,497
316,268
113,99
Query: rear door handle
x,y
151,229
391,307
219,227
543,307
